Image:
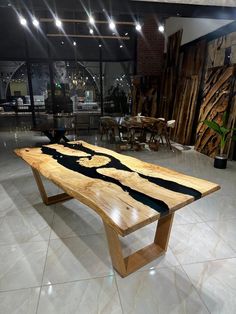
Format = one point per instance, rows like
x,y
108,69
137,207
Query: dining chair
x,y
160,132
108,127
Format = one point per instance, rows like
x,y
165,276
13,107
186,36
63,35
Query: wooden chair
x,y
160,132
108,127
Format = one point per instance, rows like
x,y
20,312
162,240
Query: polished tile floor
x,y
55,259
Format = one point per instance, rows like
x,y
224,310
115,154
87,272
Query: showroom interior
x,y
118,156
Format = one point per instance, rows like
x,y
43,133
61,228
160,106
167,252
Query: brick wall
x,y
150,48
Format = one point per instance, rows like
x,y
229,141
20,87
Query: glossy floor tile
x,y
55,259
186,215
72,218
77,258
197,242
95,296
216,284
22,265
166,290
227,230
24,228
23,301
23,190
217,206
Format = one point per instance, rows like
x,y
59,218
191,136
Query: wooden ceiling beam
x,y
49,20
90,36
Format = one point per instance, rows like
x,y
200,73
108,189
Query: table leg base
x,y
133,262
49,200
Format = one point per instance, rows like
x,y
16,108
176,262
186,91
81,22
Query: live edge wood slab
x,y
126,193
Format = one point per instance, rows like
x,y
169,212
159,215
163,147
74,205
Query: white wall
x,y
193,28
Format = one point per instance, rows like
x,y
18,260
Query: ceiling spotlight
x,y
74,43
91,20
126,34
138,27
58,22
112,25
62,42
99,45
91,31
35,22
161,28
23,21
121,46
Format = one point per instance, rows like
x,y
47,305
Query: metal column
x,y
101,80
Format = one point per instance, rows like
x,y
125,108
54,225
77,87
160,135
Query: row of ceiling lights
x,y
91,20
58,23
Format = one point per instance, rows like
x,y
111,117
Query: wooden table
x,y
125,192
140,125
56,126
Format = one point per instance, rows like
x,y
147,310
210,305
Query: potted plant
x,y
224,132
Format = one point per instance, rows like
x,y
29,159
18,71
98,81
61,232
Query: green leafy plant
x,y
222,130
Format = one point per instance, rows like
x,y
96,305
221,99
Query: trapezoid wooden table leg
x,y
140,258
48,200
163,231
115,250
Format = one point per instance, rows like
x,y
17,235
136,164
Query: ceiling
x,y
188,8
13,37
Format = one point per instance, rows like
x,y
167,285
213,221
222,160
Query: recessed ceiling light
x,y
112,25
161,28
58,22
138,27
121,46
91,20
62,42
91,31
35,22
126,34
99,45
74,43
23,21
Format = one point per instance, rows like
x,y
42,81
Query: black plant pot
x,y
220,162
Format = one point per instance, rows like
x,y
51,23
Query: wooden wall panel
x,y
221,51
144,95
216,100
187,91
170,76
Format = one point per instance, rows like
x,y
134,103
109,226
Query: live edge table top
x,y
126,192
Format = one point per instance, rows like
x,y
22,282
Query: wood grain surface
x,y
115,205
218,87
